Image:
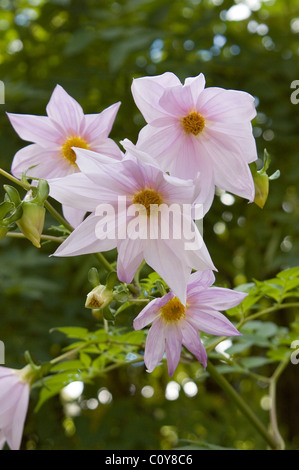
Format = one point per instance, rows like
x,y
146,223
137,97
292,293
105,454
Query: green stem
x,y
272,393
43,237
24,185
266,311
104,263
242,405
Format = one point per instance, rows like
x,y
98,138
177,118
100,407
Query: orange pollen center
x,y
147,197
173,311
193,123
67,150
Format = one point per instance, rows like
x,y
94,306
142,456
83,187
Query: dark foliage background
x,y
94,49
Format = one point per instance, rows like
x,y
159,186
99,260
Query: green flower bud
x,y
99,298
261,184
3,231
32,221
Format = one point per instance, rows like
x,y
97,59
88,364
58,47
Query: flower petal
x,y
37,129
218,298
83,240
75,191
46,163
191,340
154,346
210,321
146,92
14,435
174,337
73,216
231,171
196,85
98,126
231,106
178,101
201,279
130,256
109,148
66,112
166,257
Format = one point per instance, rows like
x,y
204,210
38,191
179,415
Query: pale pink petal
x,y
135,153
163,257
83,240
196,85
8,406
192,342
211,321
155,345
14,435
176,190
76,191
7,383
98,126
37,129
205,96
47,163
151,311
230,106
240,138
178,101
73,215
109,148
65,112
130,256
160,144
2,439
200,279
90,161
174,338
231,171
146,92
218,298
196,253
121,179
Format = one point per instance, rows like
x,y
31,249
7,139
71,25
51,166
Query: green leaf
x,y
254,361
73,331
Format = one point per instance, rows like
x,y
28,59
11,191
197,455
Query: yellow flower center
x,y
193,123
147,197
173,311
67,150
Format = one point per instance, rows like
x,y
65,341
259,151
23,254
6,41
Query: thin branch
x,y
242,405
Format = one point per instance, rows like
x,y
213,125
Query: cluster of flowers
x,y
195,139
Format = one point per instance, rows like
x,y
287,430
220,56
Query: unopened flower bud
x,y
99,298
32,221
261,183
3,231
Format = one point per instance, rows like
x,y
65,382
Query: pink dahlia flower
x,y
114,193
14,398
175,324
193,129
55,135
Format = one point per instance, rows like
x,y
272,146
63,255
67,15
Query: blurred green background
x,y
94,49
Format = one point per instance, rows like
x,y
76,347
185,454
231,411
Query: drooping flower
x,y
114,193
14,398
175,324
51,154
191,128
